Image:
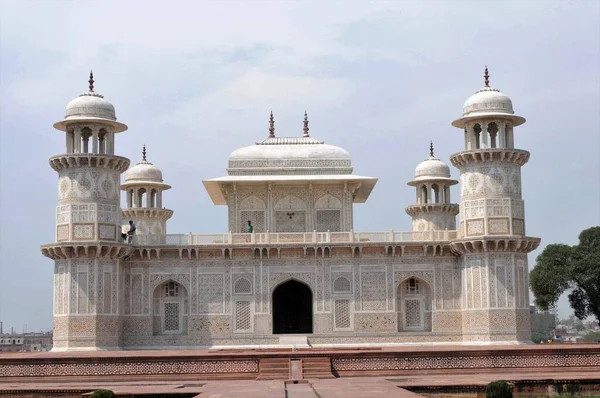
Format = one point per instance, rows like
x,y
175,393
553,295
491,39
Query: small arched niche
x,y
170,308
414,305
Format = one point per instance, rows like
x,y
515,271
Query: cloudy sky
x,y
194,81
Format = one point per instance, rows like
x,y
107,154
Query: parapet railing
x,y
292,237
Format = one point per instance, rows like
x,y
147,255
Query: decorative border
x,y
139,367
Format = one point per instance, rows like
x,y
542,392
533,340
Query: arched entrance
x,y
292,308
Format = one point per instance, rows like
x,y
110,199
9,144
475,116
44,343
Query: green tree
x,y
577,268
103,394
498,389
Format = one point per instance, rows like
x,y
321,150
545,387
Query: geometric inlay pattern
x,y
466,362
342,314
171,320
413,314
242,316
136,367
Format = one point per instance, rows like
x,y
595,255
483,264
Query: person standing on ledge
x,y
250,228
131,231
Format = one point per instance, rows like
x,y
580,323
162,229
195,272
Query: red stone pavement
x,y
375,387
251,352
358,387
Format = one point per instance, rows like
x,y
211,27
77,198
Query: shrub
x,y
103,394
498,389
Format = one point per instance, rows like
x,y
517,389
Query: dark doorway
x,y
292,308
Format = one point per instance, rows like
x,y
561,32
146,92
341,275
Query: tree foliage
x,y
498,389
103,394
577,268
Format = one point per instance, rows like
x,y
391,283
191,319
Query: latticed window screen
x,y
242,316
172,289
242,286
172,317
257,217
342,285
413,314
328,220
290,221
342,314
412,286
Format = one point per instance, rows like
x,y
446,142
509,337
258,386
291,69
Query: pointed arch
x,y
252,203
414,304
328,202
290,202
290,215
292,307
170,308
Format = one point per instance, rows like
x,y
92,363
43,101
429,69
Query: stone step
x,y
273,369
317,368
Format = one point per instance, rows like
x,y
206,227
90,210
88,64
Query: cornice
x,y
502,244
487,155
147,212
415,210
92,249
76,160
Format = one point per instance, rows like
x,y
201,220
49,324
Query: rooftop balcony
x,y
267,238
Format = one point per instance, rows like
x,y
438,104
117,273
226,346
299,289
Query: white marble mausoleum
x,y
304,275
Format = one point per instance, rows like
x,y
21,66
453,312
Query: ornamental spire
x,y
271,126
305,129
431,149
91,82
144,153
486,76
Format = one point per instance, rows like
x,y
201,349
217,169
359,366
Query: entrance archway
x,y
292,308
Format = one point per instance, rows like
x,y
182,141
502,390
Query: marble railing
x,y
292,237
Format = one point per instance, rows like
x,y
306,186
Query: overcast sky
x,y
195,81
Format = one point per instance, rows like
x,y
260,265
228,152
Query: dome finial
x,y
305,129
271,126
91,81
144,153
486,76
431,149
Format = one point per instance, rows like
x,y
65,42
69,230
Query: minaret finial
x,y
431,149
486,76
305,129
144,153
91,81
271,126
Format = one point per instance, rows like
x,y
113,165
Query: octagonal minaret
x,y
433,210
87,251
144,188
492,240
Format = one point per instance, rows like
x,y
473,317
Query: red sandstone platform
x,y
377,371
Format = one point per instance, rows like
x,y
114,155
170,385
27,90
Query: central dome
x,y
290,155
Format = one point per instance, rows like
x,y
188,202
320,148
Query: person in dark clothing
x,y
131,231
250,228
